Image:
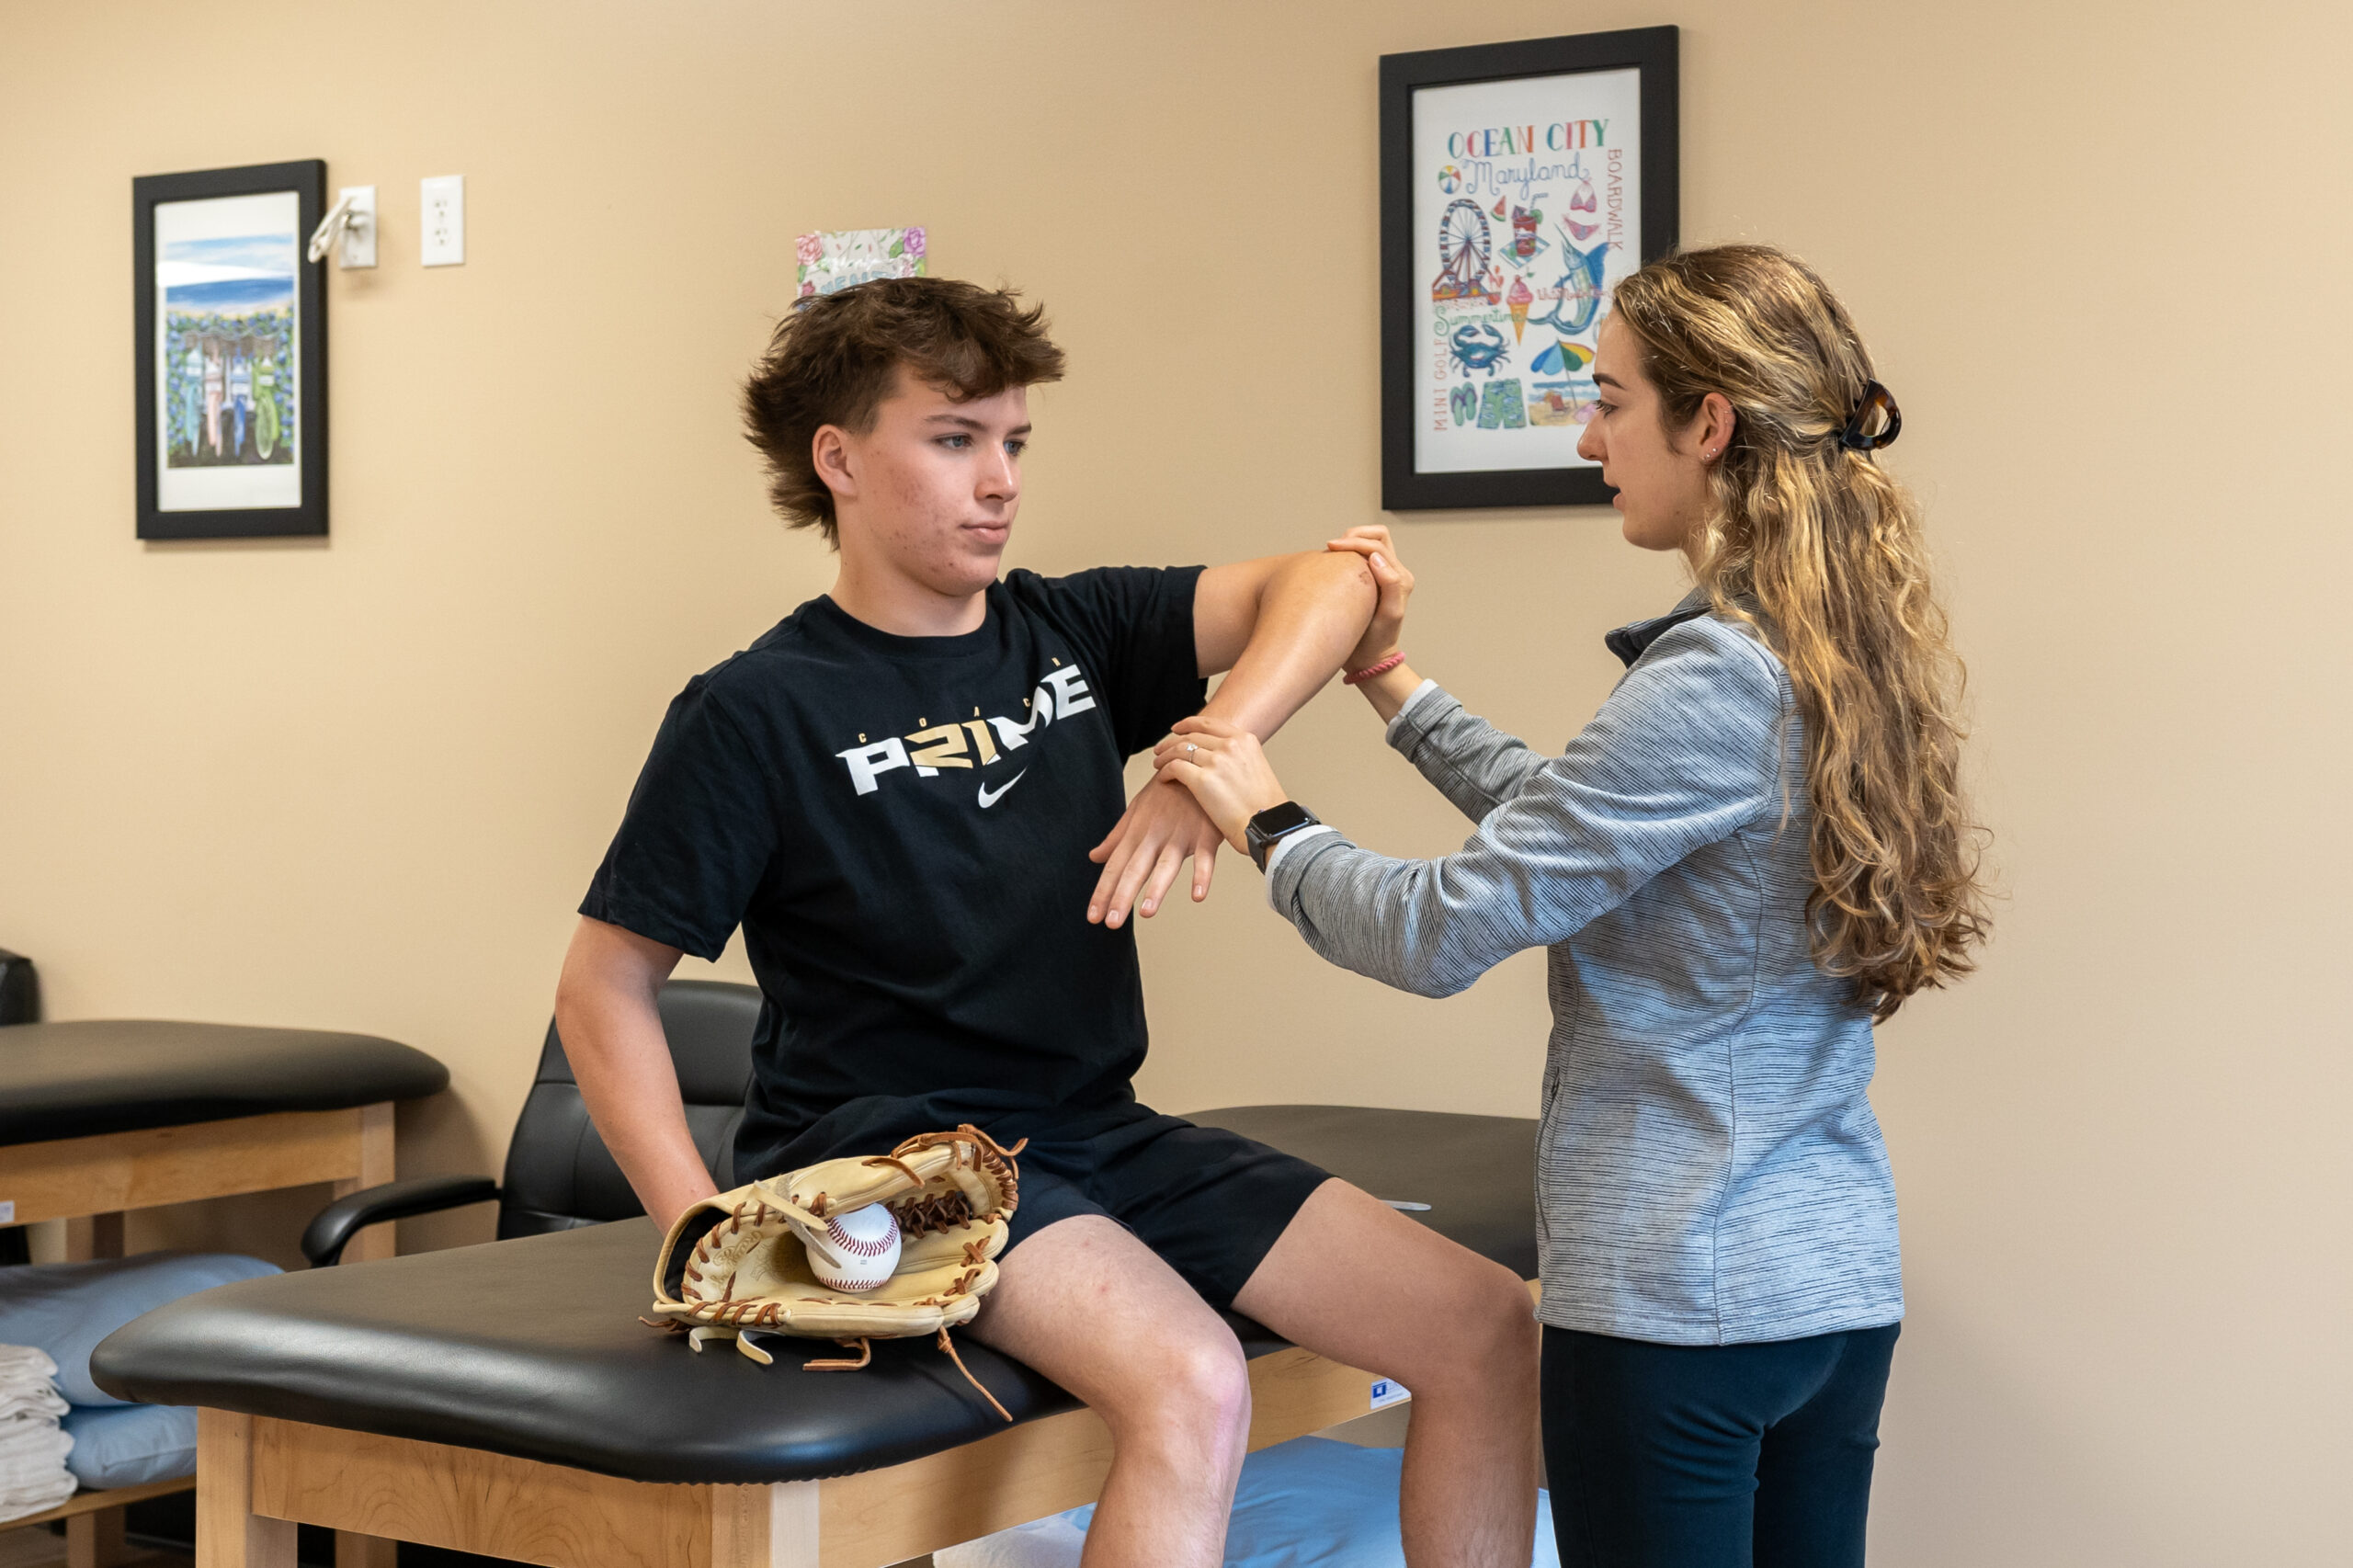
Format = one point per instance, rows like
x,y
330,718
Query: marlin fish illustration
x,y
1577,297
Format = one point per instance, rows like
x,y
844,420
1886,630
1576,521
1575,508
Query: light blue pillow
x,y
131,1444
1310,1503
66,1308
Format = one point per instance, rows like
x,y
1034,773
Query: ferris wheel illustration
x,y
1465,252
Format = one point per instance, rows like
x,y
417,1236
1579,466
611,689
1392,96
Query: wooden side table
x,y
100,1118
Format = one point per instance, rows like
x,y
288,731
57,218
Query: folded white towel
x,y
42,1401
25,1364
32,1467
31,1440
33,1476
15,1502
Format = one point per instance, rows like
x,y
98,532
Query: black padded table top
x,y
119,1075
533,1347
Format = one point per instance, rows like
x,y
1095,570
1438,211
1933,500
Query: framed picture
x,y
1519,183
231,349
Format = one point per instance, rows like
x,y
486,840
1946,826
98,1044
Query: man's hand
x,y
1223,764
1161,827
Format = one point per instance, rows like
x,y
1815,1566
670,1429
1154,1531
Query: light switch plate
x,y
442,232
359,234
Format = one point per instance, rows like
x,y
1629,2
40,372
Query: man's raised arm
x,y
1282,625
608,1011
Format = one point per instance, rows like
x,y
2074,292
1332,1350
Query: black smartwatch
x,y
1273,824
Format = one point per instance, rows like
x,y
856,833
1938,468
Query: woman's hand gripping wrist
x,y
1226,769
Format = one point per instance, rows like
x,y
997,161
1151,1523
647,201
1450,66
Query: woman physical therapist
x,y
1755,849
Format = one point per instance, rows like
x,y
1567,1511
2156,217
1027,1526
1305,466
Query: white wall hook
x,y
351,220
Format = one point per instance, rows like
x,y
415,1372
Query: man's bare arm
x,y
1281,624
607,1010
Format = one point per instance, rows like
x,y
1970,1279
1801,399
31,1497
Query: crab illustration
x,y
1478,346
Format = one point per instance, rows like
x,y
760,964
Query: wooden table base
x,y
257,1477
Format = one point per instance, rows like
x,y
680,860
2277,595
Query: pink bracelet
x,y
1357,678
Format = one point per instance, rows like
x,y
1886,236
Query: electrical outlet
x,y
359,234
442,232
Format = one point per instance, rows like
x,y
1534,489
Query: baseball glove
x,y
736,1264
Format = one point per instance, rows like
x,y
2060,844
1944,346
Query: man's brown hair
x,y
834,360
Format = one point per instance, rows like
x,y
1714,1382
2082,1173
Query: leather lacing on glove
x,y
934,1204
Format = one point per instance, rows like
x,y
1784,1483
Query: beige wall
x,y
2098,250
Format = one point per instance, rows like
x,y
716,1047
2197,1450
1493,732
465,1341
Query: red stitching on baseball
x,y
843,1239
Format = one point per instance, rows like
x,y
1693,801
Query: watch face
x,y
1282,819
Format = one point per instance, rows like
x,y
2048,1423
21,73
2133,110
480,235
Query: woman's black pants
x,y
1721,1456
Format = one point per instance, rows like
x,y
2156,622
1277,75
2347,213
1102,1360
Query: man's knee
x,y
1507,1314
1192,1389
1481,1328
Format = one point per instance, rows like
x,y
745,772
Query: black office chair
x,y
558,1174
20,989
19,1003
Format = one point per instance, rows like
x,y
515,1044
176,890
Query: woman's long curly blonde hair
x,y
1812,542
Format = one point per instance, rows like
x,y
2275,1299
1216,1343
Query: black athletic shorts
x,y
1210,1202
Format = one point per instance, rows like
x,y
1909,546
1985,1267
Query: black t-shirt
x,y
900,824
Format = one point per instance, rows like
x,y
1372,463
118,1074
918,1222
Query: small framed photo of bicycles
x,y
1519,183
232,352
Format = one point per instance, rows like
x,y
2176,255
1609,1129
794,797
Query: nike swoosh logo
x,y
990,798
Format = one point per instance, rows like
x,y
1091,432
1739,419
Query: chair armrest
x,y
323,1241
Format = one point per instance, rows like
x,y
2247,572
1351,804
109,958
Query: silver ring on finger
x,y
1190,746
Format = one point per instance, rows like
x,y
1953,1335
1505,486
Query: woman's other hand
x,y
1225,768
1396,585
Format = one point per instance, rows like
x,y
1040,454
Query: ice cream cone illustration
x,y
1518,300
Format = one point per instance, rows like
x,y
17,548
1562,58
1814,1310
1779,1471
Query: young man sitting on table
x,y
901,793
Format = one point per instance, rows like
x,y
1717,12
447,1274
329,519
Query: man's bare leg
x,y
1353,1279
1094,1309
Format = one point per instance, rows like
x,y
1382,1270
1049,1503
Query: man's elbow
x,y
1343,575
1339,586
582,995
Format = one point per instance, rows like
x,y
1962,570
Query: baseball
x,y
857,1249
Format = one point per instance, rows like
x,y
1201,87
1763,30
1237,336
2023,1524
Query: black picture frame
x,y
304,508
1653,52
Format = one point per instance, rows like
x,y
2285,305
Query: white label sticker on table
x,y
1387,1392
8,1211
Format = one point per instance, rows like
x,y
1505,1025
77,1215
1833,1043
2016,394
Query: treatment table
x,y
505,1399
101,1117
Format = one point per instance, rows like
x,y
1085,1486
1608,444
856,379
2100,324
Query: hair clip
x,y
1874,396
